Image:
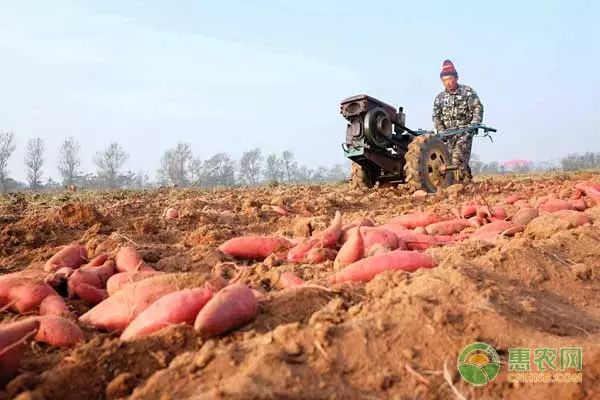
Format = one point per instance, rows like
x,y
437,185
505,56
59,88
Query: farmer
x,y
457,106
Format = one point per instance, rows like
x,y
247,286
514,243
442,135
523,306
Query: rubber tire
x,y
362,177
416,166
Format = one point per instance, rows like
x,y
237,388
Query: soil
x,y
396,337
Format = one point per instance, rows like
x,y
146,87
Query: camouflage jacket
x,y
453,110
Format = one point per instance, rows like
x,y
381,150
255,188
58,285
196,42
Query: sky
x,y
231,75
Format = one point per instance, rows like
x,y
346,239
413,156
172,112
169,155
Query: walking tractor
x,y
383,149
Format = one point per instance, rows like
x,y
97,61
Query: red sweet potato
x,y
376,239
289,279
57,331
367,268
317,255
552,205
591,190
348,227
171,213
254,247
416,219
298,252
468,210
122,279
578,204
231,307
491,213
26,296
88,293
72,256
512,199
178,307
128,259
117,311
330,236
54,305
95,276
420,241
447,227
492,231
352,250
14,338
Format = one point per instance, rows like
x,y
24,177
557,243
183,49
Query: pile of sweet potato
x,y
130,298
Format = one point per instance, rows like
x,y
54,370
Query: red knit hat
x,y
448,69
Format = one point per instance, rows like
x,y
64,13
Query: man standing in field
x,y
457,106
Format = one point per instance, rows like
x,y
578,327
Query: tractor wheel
x,y
363,176
426,160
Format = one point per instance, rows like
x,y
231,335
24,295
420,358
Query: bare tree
x,y
250,166
274,168
219,170
175,165
7,146
69,162
34,160
197,171
289,164
109,162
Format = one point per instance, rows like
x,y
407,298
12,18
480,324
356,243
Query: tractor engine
x,y
371,122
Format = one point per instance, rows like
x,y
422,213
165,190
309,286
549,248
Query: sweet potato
x,y
92,275
54,305
352,250
367,268
26,296
492,231
117,311
491,213
254,247
591,190
171,213
524,216
578,204
57,331
512,199
576,218
14,338
318,255
447,227
231,307
420,241
289,279
376,239
90,294
416,219
128,259
552,205
71,256
178,307
298,253
468,210
346,229
122,279
330,236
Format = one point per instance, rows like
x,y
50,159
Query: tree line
x,y
178,167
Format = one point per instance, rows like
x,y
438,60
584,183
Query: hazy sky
x,y
232,75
